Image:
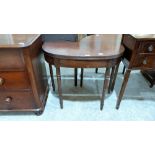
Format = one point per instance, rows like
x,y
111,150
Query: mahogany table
x,y
90,52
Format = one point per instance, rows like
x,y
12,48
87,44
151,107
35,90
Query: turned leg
x,y
105,86
126,77
52,78
75,76
59,86
96,70
123,70
114,79
81,80
111,79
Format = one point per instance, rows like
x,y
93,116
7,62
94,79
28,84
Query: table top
x,y
17,40
144,36
105,46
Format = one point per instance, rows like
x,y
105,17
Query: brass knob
x,y
8,99
144,61
1,81
150,48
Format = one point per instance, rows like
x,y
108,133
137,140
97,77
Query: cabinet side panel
x,y
38,64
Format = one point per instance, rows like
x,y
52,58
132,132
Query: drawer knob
x,y
8,99
150,48
1,81
144,62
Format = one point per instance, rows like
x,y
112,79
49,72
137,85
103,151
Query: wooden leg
x,y
96,70
81,80
105,86
123,70
52,78
75,76
114,79
126,77
59,86
111,79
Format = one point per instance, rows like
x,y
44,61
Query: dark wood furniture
x,y
150,76
90,52
23,79
139,54
61,37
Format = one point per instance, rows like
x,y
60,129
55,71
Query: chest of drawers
x,y
23,79
139,54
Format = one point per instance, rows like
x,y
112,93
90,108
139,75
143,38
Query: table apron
x,y
85,63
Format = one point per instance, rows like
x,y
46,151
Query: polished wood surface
x,y
139,54
23,80
15,80
17,40
95,46
92,51
143,36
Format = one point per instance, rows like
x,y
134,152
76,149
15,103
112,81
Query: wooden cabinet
x,y
23,79
139,54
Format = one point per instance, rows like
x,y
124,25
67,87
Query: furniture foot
x,y
126,77
52,78
38,113
151,85
105,86
59,86
81,80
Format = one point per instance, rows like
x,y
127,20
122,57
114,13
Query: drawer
x,y
14,81
11,59
147,48
16,101
144,61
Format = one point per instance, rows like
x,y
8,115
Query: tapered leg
x,y
81,80
126,77
59,86
105,86
114,79
75,76
96,70
111,79
123,70
52,78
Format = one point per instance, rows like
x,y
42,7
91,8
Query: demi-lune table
x,y
90,52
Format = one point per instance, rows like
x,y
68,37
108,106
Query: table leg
x,y
126,77
75,76
105,86
52,78
96,70
114,79
111,79
81,80
59,86
123,70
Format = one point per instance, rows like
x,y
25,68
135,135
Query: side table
x,y
90,52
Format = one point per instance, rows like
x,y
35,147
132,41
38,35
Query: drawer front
x,y
17,101
145,61
147,48
11,59
14,81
